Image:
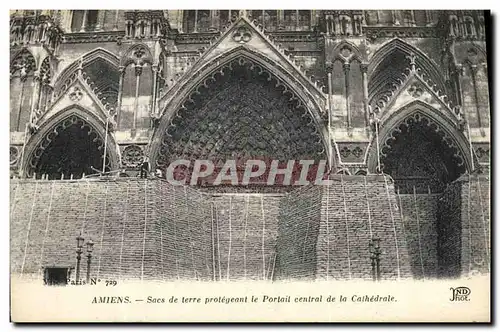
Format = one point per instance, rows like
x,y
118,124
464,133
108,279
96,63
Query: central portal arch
x,y
241,111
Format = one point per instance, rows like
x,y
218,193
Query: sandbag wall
x,y
141,229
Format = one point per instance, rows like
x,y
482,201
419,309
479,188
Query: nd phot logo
x,y
460,294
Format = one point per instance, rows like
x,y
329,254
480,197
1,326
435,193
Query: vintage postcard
x,y
250,165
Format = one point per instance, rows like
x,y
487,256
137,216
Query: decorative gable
x,y
416,85
245,34
78,93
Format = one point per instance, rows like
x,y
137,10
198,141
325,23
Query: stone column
x,y
473,72
459,82
155,79
347,67
313,18
281,19
180,21
84,21
395,17
229,15
119,99
36,91
412,17
195,21
21,97
148,29
461,27
138,72
49,90
117,16
364,70
214,20
65,19
336,25
101,16
43,83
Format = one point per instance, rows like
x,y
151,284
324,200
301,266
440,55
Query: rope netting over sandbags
x,y
141,229
147,229
356,210
299,223
244,236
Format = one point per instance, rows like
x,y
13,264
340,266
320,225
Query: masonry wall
x,y
354,210
419,215
298,234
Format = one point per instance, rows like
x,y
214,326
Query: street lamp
x,y
90,247
79,250
375,252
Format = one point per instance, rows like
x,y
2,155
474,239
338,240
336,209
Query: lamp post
x,y
375,252
90,246
79,250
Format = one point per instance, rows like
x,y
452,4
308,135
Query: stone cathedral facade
x,y
396,102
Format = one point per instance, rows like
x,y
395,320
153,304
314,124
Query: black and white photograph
x,y
257,147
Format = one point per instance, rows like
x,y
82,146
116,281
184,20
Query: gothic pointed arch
x,y
273,106
22,55
478,50
347,51
388,65
89,57
46,68
473,83
97,58
70,143
46,73
138,54
99,69
243,34
398,44
419,146
138,78
23,70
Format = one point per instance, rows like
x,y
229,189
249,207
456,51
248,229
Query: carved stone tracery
x,y
76,94
24,62
241,111
14,155
351,152
138,55
132,156
142,24
242,35
73,155
418,152
35,28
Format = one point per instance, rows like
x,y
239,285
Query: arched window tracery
x,y
71,148
22,85
139,81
